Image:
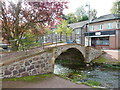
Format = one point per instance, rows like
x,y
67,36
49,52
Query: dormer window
x,y
100,27
109,25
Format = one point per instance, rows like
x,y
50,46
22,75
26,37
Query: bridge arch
x,y
61,49
72,54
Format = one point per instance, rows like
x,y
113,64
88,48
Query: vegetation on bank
x,y
79,79
30,78
105,61
92,83
100,60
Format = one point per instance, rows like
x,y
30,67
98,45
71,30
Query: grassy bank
x,y
30,78
79,79
105,61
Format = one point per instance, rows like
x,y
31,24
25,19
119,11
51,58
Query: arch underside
x,y
72,55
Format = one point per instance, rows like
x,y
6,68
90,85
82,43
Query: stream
x,y
107,77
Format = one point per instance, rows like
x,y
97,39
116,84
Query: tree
x,y
93,14
62,29
18,18
70,18
116,7
80,11
81,14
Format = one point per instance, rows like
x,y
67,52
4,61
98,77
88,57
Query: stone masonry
x,y
43,61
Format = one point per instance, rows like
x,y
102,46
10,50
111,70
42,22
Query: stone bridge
x,y
39,61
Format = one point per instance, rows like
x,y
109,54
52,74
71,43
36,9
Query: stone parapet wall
x,y
38,64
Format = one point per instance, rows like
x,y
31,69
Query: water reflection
x,y
108,77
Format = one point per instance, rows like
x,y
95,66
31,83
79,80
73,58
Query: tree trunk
x,y
14,46
52,37
66,37
60,36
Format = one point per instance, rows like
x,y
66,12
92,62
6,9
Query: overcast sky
x,y
102,6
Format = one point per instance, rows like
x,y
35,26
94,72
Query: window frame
x,y
77,31
110,26
118,25
100,27
91,28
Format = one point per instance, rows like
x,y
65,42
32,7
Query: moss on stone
x,y
100,60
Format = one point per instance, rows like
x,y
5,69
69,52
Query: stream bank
x,y
99,73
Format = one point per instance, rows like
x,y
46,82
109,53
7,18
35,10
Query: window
x,y
102,41
109,25
91,28
118,25
100,27
77,31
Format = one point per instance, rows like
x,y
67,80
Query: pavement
x,y
115,54
53,82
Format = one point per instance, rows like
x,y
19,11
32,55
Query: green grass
x,y
118,63
111,66
30,78
106,63
94,83
91,83
100,60
74,78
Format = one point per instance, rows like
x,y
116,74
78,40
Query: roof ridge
x,y
106,17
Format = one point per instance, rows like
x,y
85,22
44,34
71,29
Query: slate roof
x,y
105,18
78,25
99,19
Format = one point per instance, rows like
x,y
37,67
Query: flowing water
x,y
108,77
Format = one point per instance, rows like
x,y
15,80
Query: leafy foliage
x,y
63,28
70,18
116,7
83,15
80,15
28,41
17,18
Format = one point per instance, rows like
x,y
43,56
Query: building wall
x,y
104,25
112,41
0,36
118,39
